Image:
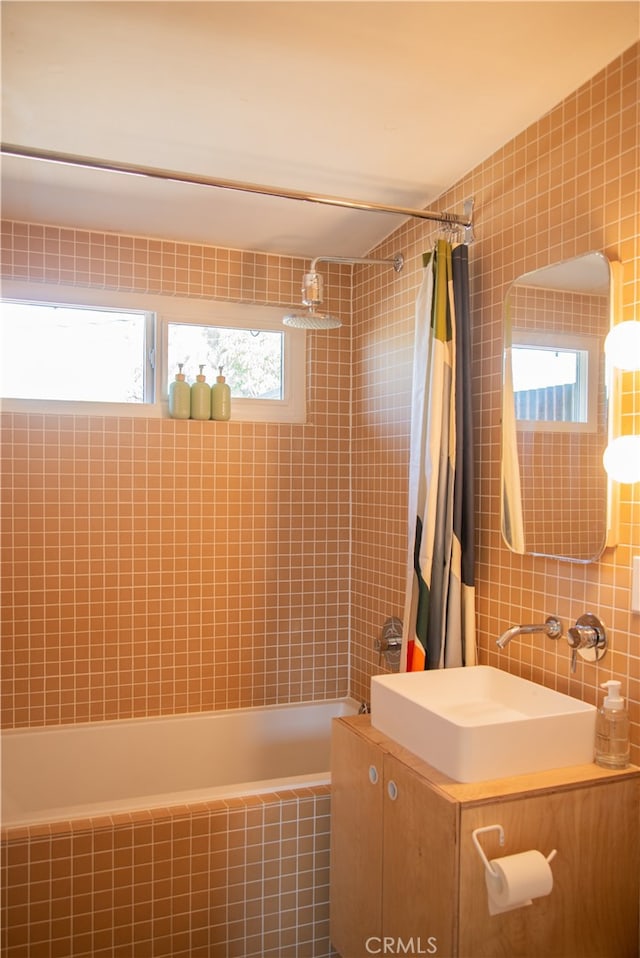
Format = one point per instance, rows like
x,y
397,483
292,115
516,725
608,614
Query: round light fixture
x,y
622,345
622,459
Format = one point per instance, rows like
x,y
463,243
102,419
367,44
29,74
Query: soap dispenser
x,y
612,729
180,396
201,397
220,398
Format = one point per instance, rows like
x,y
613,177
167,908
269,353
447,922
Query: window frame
x,y
163,310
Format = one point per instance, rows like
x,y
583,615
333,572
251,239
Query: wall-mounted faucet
x,y
552,627
587,636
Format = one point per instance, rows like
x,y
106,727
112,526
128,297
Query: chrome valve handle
x,y
587,637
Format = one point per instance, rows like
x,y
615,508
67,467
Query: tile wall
x,y
92,642
159,566
247,878
567,185
123,596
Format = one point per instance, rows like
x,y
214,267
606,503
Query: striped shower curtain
x,y
439,612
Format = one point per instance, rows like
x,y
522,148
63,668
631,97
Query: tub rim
x,y
170,801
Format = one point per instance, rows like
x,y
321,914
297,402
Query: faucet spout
x,y
507,636
551,627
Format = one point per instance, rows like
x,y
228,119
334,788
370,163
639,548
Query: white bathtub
x,y
61,773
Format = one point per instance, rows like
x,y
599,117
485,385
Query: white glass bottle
x,y
612,729
220,398
201,397
180,396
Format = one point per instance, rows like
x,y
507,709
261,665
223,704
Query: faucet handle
x,y
588,637
390,643
574,638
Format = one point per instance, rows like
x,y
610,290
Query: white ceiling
x,y
389,102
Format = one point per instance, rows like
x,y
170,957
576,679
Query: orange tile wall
x,y
102,632
247,878
567,185
158,566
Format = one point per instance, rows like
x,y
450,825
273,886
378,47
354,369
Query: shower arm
x,y
312,283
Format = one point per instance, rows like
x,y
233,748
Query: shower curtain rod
x,y
152,172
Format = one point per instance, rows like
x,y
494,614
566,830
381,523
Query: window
x,y
83,347
76,353
550,384
251,358
554,380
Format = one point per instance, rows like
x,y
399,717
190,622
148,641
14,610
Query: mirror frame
x,y
545,278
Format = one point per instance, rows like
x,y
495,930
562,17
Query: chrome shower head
x,y
311,297
312,291
311,320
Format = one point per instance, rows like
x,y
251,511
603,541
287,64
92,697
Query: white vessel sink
x,y
479,722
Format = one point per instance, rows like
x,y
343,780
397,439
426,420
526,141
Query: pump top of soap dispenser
x,y
613,699
201,378
180,376
220,378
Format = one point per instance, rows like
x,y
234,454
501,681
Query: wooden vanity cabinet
x,y
393,862
404,869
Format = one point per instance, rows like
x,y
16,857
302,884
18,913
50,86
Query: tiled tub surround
x,y
155,566
160,566
237,868
243,878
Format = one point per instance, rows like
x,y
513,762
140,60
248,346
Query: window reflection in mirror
x,y
555,379
554,422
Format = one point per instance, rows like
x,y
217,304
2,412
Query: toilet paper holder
x,y
496,828
513,888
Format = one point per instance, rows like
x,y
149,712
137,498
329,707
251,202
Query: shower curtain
x,y
439,612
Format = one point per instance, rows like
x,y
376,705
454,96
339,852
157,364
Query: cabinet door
x,y
592,910
356,841
419,898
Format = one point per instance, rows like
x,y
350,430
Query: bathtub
x,y
98,768
196,836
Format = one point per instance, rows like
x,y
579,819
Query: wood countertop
x,y
476,793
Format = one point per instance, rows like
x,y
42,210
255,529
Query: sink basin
x,y
479,722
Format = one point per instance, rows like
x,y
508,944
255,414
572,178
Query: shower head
x,y
311,297
312,292
311,320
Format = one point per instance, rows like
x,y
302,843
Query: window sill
x,y
242,410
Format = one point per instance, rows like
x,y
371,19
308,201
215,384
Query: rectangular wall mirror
x,y
555,418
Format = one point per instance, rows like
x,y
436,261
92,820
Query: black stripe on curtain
x,y
463,518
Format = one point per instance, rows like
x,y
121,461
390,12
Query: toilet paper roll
x,y
519,878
